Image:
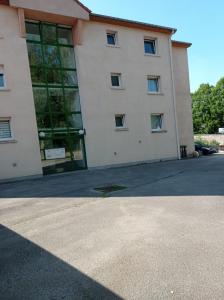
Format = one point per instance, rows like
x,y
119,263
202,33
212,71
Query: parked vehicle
x,y
205,150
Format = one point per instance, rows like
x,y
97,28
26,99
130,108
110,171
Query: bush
x,y
204,143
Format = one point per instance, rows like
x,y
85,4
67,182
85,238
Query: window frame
x,y
162,129
154,77
155,41
3,119
116,87
123,121
115,33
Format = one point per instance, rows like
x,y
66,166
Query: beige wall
x,y
21,158
95,62
183,98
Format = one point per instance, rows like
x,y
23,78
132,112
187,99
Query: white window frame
x,y
151,39
115,33
119,75
162,129
154,77
123,121
2,72
10,127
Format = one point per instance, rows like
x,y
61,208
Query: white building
x,y
80,90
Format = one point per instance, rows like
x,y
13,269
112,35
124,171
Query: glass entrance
x,y
56,96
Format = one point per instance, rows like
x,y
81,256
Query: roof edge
x,y
4,2
130,23
83,6
180,44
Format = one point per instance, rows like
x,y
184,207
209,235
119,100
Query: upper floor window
x,y
5,130
2,78
150,46
116,80
120,121
157,122
153,84
112,38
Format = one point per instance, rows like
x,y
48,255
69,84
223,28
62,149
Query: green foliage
x,y
208,108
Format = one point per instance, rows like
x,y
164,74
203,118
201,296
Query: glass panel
x,y
49,34
38,76
75,122
59,122
156,122
67,57
33,32
150,47
43,122
72,100
111,39
51,56
35,54
70,78
54,77
153,85
40,99
56,98
2,84
115,80
65,36
119,121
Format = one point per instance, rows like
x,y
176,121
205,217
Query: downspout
x,y
174,98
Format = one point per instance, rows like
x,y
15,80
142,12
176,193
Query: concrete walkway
x,y
160,238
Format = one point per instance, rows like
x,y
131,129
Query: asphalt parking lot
x,y
160,237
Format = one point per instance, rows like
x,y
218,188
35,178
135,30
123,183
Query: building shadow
x,y
28,272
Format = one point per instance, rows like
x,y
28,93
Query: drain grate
x,y
110,189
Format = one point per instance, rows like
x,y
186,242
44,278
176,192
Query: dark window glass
x,y
111,38
38,76
119,120
153,85
49,34
75,121
67,57
65,36
56,99
33,32
40,100
51,56
44,122
72,100
150,47
70,78
54,77
2,83
115,80
35,54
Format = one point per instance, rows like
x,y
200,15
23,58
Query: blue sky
x,y
199,22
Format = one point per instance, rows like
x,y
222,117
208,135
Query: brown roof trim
x,y
83,6
5,2
132,24
179,44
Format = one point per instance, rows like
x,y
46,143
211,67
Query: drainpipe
x,y
174,97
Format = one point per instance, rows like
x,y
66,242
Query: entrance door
x,y
56,96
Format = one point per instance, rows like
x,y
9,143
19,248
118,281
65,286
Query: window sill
x,y
156,94
152,55
113,46
117,88
4,90
159,131
122,129
12,141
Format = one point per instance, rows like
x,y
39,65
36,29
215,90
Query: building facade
x,y
80,90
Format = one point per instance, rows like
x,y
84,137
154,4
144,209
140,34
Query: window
x,y
112,38
150,46
2,78
157,122
153,84
5,130
116,80
120,121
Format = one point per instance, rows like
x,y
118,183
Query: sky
x,y
200,22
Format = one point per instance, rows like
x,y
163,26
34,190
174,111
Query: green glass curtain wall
x,y
56,95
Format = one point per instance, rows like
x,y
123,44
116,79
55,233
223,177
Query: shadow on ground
x,y
202,176
27,271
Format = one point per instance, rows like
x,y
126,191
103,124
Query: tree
x,y
208,108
